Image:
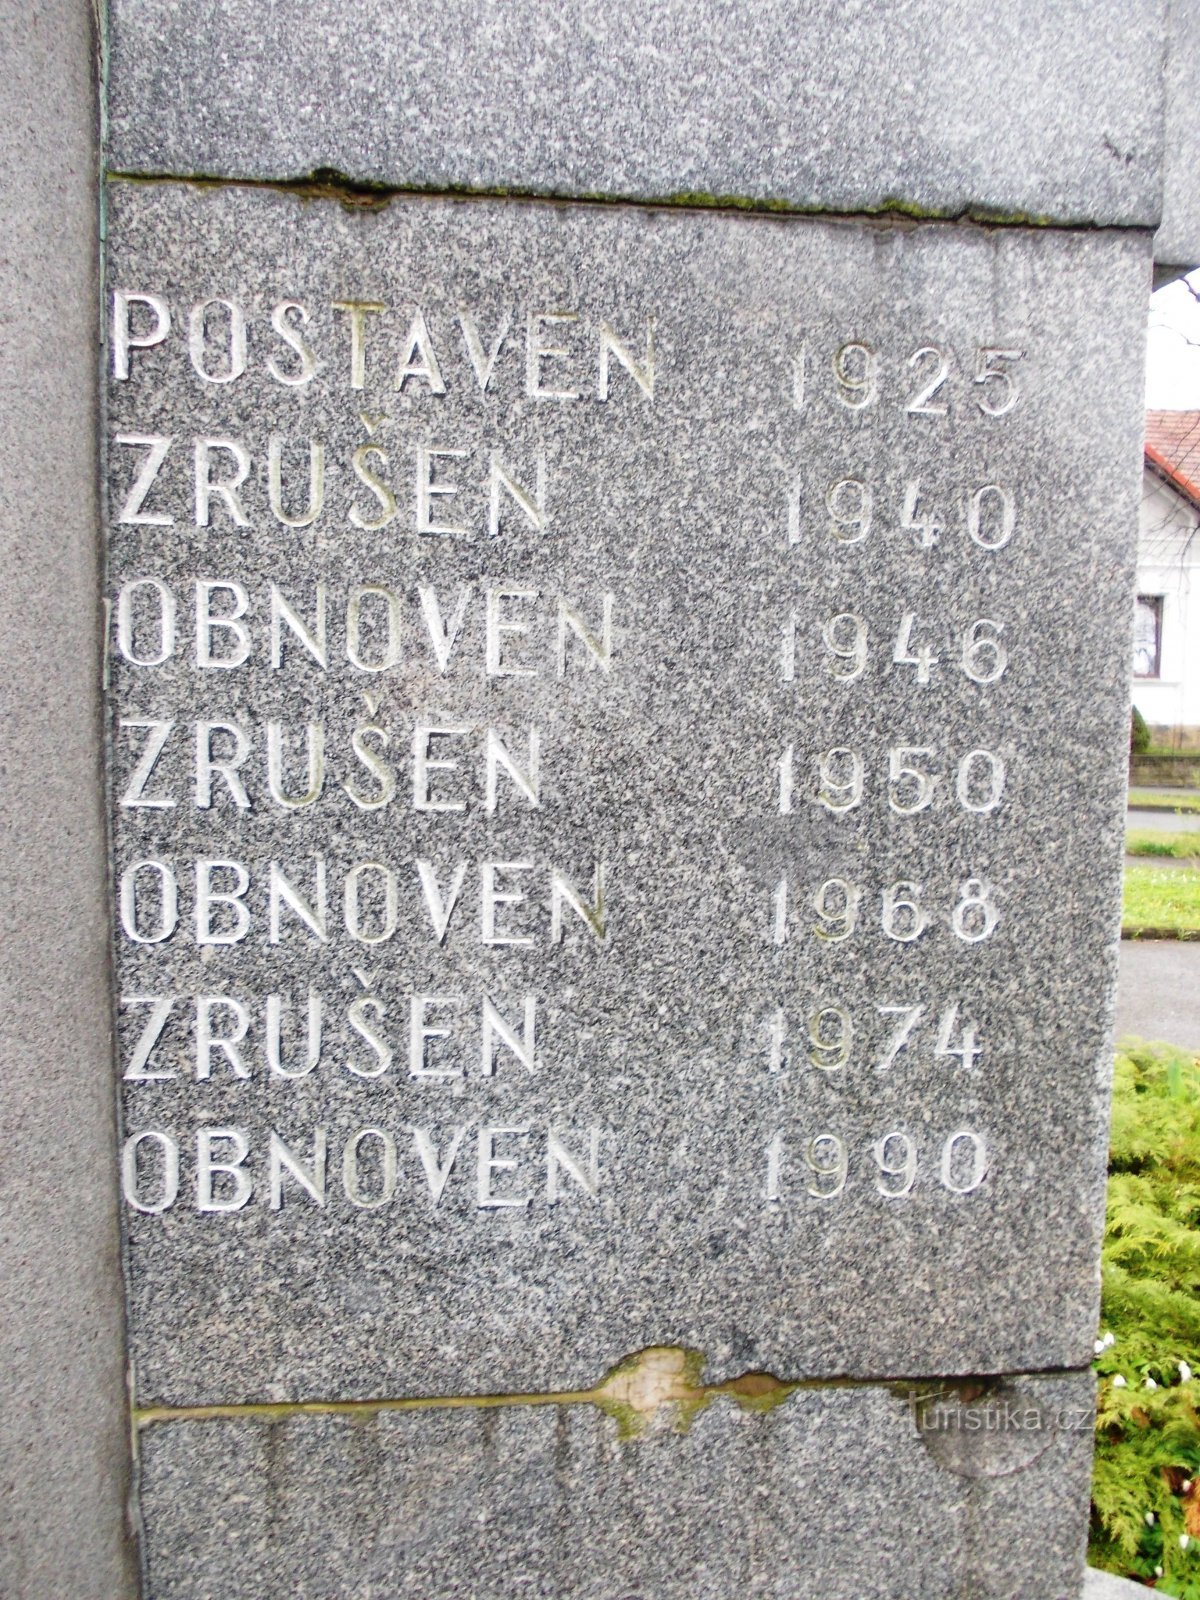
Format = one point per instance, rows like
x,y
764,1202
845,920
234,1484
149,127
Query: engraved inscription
x,y
578,747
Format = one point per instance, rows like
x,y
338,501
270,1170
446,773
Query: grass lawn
x,y
1151,800
1161,903
1150,842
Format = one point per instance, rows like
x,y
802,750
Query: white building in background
x,y
1166,646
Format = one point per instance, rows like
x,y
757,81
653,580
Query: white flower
x,y
1185,1372
1100,1347
1158,1572
1150,1384
1118,1382
1110,1339
1187,1484
1184,1541
1149,1519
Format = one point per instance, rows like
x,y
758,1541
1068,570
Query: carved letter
x,y
536,352
489,1163
358,1021
497,626
423,765
421,1031
206,1168
166,622
123,337
418,343
357,310
563,892
491,897
168,904
156,445
391,903
135,793
315,747
206,764
599,650
642,375
350,1173
274,1036
439,909
227,489
207,624
280,1160
377,487
495,1027
483,362
170,1177
162,1006
281,893
497,756
316,482
313,642
427,489
558,1156
437,1171
292,339
207,1041
207,897
442,636
533,505
197,334
391,654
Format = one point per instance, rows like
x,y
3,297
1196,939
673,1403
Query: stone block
x,y
1177,241
835,1493
1011,110
619,724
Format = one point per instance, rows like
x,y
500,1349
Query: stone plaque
x,y
617,726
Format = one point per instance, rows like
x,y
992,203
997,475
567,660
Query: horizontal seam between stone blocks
x,y
777,1391
366,195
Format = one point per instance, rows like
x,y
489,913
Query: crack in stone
x,y
655,1388
356,194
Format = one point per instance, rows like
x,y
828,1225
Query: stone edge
x,y
1177,242
64,1477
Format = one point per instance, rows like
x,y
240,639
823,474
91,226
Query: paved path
x,y
1168,821
1158,996
1103,1586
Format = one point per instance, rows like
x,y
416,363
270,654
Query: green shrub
x,y
1146,1486
1139,734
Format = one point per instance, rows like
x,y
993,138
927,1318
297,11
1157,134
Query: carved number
x,y
851,509
960,1165
904,915
922,403
979,779
857,369
830,1031
982,654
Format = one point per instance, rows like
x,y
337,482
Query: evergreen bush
x,y
1146,1485
1139,734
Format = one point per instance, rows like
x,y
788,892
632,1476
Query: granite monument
x,y
618,538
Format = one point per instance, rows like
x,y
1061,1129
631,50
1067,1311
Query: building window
x,y
1147,636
